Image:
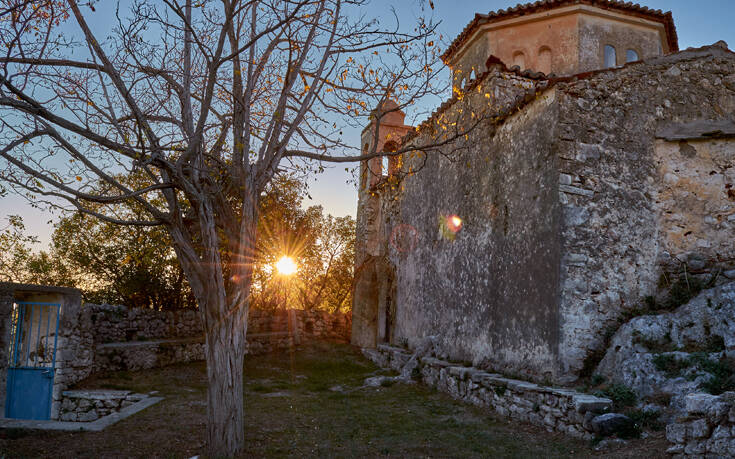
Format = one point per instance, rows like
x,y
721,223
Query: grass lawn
x,y
292,408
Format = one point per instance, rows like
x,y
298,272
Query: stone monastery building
x,y
593,165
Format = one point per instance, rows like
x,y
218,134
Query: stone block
x,y
695,448
68,417
522,386
89,416
68,405
676,433
584,403
699,403
610,423
698,429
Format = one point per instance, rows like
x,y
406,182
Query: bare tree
x,y
208,101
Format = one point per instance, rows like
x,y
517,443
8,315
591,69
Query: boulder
x,y
611,423
707,318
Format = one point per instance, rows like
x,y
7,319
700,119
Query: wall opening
x,y
544,60
519,59
610,56
390,163
365,168
631,55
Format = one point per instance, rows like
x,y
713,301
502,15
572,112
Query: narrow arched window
x,y
631,56
610,56
389,162
367,169
519,59
544,60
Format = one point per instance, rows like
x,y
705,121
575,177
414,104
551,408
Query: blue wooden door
x,y
34,336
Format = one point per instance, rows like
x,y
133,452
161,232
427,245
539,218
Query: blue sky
x,y
698,22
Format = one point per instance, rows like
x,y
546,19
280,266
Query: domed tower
x,y
563,37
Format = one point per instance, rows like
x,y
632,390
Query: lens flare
x,y
449,226
286,265
454,223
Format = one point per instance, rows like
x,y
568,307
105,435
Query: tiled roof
x,y
629,8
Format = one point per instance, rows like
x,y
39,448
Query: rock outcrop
x,y
677,353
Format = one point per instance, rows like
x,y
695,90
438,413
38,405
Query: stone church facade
x,y
583,165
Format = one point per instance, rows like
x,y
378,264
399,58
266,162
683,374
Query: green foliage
x,y
137,266
598,380
670,365
646,419
722,379
621,395
322,246
15,250
130,265
722,372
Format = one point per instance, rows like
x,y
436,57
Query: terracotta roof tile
x,y
544,5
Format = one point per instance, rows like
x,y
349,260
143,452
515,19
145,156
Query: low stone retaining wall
x,y
557,410
90,405
263,343
115,323
142,355
707,430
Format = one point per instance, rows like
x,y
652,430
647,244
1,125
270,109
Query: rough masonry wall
x,y
114,323
618,206
596,32
490,293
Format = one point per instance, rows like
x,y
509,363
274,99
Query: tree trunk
x,y
225,354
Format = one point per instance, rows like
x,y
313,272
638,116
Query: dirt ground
x,y
306,404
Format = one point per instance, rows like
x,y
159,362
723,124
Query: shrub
x,y
670,365
621,395
646,419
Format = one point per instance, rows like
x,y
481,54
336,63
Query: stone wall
x,y
115,338
638,209
113,324
447,285
90,405
708,430
555,409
